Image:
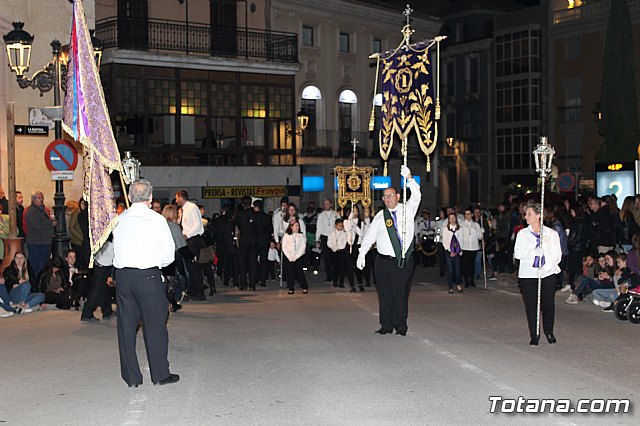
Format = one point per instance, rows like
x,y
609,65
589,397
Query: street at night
x,y
270,358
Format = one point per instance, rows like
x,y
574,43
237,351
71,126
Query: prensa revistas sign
x,y
209,192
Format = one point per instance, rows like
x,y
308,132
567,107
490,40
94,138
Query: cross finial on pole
x,y
354,142
407,12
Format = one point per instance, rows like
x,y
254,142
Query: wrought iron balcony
x,y
177,37
335,144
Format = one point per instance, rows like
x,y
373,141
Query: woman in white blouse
x,y
452,251
470,236
538,258
294,245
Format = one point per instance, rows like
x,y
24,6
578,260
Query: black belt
x,y
155,268
384,256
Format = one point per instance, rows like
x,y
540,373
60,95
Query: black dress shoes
x,y
534,341
173,378
383,331
551,338
352,290
361,287
401,333
135,385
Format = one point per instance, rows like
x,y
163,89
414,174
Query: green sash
x,y
395,240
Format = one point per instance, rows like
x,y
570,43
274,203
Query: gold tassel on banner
x,y
428,164
385,168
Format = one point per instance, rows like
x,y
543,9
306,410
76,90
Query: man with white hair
x,y
38,226
142,244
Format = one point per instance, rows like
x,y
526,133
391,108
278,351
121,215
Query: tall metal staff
x,y
403,243
543,155
484,255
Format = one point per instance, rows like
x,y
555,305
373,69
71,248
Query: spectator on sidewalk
x,y
39,229
17,279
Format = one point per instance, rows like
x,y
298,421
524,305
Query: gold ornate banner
x,y
354,184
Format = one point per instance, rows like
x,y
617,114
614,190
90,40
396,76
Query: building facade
x,y
45,21
577,33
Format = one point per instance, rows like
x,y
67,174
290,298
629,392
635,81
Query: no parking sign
x,y
61,158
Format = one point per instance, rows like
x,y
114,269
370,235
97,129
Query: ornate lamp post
x,y
543,156
53,76
131,167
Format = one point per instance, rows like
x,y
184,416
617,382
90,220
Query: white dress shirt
x,y
526,243
294,246
104,256
277,222
326,223
470,233
142,239
446,235
378,234
191,220
352,229
425,227
337,240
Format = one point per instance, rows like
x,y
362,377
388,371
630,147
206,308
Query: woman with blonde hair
x,y
17,278
539,252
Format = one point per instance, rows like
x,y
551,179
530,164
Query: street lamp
x,y
52,76
455,144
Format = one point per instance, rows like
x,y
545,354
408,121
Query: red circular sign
x,y
60,155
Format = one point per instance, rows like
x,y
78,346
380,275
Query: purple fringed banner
x,y
86,119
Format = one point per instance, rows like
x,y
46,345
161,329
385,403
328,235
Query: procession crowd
x,y
247,247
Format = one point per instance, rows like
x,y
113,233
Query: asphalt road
x,y
267,358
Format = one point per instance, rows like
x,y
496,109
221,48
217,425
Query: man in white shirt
x,y
192,229
278,221
142,245
324,226
392,229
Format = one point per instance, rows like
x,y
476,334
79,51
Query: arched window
x,y
346,101
311,98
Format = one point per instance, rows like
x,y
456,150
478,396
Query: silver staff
x,y
543,155
484,254
405,142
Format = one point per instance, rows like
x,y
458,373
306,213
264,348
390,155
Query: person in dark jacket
x,y
226,247
248,261
39,230
54,285
264,227
578,244
604,229
20,214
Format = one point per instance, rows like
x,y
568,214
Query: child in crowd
x,y
274,260
337,242
623,279
601,278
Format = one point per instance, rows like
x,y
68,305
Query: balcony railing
x,y
589,10
202,39
333,143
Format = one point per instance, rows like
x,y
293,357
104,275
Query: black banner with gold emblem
x,y
407,97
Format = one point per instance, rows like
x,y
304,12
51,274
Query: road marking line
x,y
138,402
461,362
